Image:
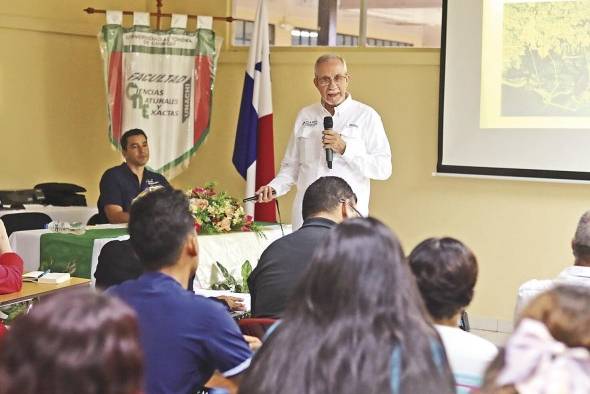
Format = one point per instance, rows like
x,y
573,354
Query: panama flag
x,y
254,149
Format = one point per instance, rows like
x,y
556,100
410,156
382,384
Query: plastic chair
x,y
255,327
25,221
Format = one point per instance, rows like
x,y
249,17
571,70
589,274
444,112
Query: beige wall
x,y
53,128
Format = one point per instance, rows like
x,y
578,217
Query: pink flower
x,y
249,219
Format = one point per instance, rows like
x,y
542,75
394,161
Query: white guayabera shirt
x,y
367,155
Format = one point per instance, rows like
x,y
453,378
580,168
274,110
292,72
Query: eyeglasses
x,y
338,79
356,211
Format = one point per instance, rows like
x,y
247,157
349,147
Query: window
x,y
303,37
306,37
407,23
243,33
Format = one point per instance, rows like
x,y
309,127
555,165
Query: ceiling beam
x,y
354,4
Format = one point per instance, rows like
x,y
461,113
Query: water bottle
x,y
57,227
77,228
67,228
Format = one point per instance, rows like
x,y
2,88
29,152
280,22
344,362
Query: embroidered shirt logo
x,y
310,123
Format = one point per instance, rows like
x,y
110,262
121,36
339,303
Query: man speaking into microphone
x,y
338,136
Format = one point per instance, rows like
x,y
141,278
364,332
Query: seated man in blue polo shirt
x,y
185,337
121,184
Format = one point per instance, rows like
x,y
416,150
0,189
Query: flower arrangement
x,y
218,212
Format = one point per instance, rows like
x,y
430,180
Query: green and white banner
x,y
160,82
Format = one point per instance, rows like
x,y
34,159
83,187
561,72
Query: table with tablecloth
x,y
78,254
57,214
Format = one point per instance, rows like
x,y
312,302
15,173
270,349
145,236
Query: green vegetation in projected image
x,y
546,58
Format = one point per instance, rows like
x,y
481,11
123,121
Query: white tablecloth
x,y
28,243
231,250
57,214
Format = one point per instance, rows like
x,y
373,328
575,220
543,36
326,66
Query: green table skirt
x,y
72,253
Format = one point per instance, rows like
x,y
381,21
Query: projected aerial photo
x,y
546,58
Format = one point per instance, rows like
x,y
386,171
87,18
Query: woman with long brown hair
x,y
355,324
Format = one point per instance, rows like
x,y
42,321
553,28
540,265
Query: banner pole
x,y
91,10
158,13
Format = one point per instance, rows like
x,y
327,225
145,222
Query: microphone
x,y
255,198
328,124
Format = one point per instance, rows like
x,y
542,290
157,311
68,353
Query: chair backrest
x,y
255,326
25,221
117,262
94,220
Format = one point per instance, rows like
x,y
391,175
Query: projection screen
x,y
515,88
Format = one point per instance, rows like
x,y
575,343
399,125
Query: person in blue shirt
x,y
185,337
121,184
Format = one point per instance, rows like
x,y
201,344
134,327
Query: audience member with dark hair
x,y
355,324
578,274
119,185
11,265
446,272
76,342
327,201
549,352
185,337
117,262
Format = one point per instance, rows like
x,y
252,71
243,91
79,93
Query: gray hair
x,y
582,237
326,58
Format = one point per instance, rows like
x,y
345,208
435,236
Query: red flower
x,y
197,227
249,219
197,191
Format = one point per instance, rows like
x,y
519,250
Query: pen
x,y
44,273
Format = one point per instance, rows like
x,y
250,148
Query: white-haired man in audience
x,y
578,274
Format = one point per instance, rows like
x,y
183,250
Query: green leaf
x,y
246,271
14,310
223,270
229,280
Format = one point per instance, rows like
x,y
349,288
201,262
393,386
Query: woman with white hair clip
x,y
549,352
